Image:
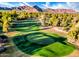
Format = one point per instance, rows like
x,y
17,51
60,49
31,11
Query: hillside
x,y
59,10
26,8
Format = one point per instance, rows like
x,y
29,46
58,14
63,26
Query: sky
x,y
53,5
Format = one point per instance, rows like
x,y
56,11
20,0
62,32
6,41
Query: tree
x,y
6,19
53,21
22,15
73,33
0,19
41,19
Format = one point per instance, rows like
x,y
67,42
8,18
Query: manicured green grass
x,y
55,49
37,43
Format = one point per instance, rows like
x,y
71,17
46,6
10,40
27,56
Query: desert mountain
x,y
38,9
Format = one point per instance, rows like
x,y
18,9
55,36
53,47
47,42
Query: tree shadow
x,y
34,42
25,26
45,38
0,30
27,29
24,45
24,23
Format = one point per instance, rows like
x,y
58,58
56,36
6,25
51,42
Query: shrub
x,y
3,39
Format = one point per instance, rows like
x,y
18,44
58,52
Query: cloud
x,y
46,5
24,3
60,6
55,6
6,4
73,5
66,5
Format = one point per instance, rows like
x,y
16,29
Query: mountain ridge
x,y
36,8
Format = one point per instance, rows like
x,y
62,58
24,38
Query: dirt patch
x,y
11,34
75,53
55,30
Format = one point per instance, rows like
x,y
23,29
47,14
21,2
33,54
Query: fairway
x,y
33,42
